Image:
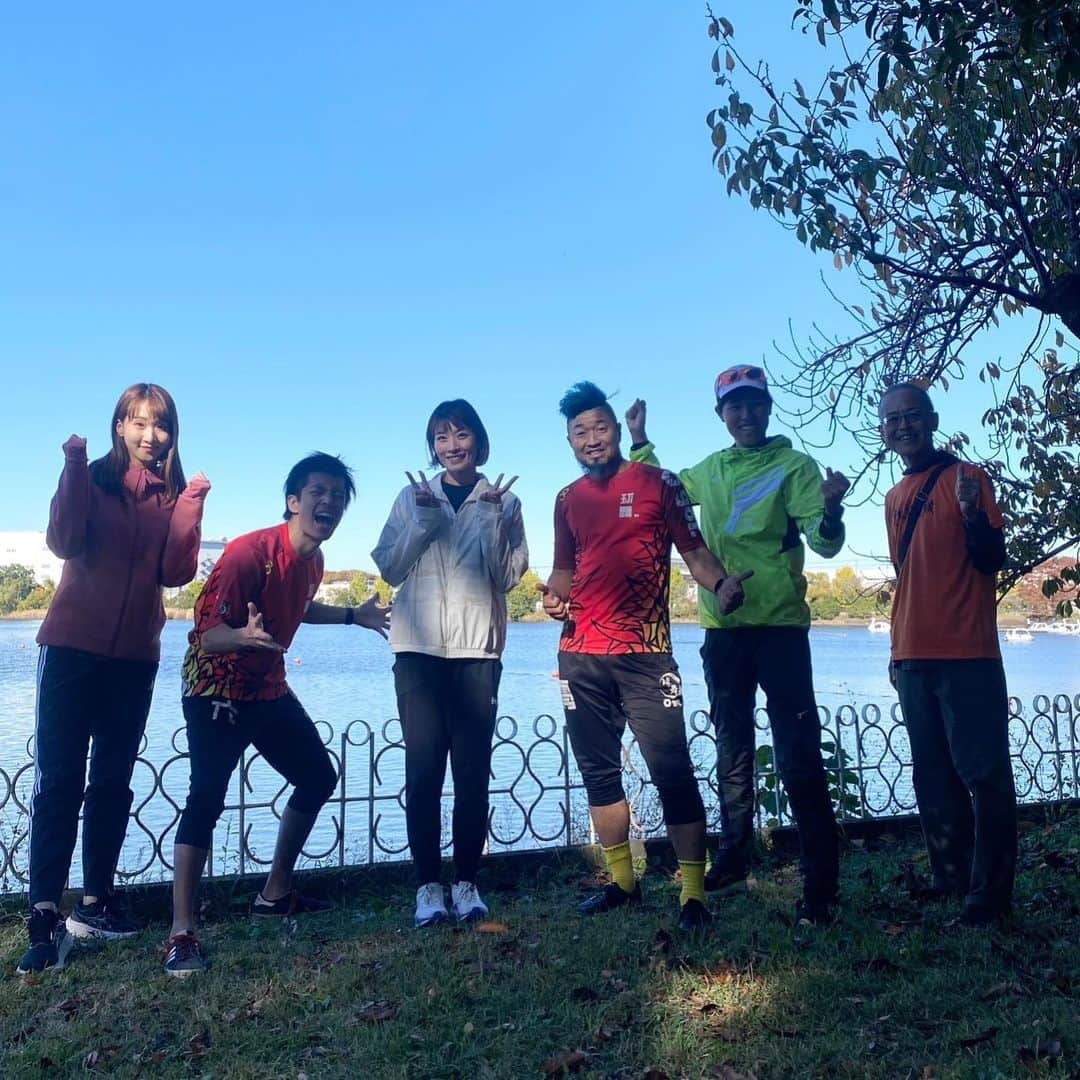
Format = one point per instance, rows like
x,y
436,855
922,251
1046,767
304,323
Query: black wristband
x,y
350,616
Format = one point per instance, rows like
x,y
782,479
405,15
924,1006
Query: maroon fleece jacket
x,y
120,551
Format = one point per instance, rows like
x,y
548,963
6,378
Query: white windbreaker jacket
x,y
452,572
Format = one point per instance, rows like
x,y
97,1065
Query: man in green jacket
x,y
758,498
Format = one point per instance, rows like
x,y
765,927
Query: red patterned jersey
x,y
264,569
616,536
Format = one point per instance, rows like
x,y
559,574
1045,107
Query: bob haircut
x,y
108,471
583,396
301,472
460,414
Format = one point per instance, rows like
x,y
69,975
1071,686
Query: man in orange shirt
x,y
947,545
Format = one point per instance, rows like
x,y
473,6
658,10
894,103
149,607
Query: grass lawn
x,y
892,990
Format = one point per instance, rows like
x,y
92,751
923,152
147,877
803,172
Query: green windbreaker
x,y
754,504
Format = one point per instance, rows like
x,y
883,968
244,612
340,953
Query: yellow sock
x,y
621,866
693,881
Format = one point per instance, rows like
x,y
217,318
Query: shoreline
x,y
1007,621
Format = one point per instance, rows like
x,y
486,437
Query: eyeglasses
x,y
891,421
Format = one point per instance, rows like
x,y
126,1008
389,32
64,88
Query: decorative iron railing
x,y
537,797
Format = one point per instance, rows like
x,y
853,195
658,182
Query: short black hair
x,y
583,396
461,414
313,463
918,391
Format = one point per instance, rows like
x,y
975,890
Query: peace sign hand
x,y
495,493
422,491
967,492
253,636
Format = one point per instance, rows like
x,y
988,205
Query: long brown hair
x,y
108,471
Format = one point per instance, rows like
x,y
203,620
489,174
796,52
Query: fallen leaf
x,y
469,1028
564,1062
492,928
378,1012
984,1036
608,1032
199,1044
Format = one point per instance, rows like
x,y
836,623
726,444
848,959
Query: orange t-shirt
x,y
943,608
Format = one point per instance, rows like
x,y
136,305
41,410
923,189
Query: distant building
x,y
30,550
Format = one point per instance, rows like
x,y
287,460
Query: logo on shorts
x,y
626,504
223,608
671,689
568,701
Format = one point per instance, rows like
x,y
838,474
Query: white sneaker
x,y
430,904
466,903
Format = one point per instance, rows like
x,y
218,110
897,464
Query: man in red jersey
x,y
235,693
613,534
947,545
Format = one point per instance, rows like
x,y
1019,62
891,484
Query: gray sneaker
x,y
184,956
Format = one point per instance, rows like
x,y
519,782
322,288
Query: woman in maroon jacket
x,y
127,525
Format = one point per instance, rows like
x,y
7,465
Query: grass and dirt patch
x,y
894,989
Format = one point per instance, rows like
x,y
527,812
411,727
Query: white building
x,y
30,550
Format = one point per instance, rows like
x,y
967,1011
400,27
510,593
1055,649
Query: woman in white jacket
x,y
454,546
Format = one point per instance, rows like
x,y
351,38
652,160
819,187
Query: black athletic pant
x,y
447,707
776,658
85,703
957,717
219,731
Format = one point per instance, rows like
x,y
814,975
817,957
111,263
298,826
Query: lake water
x,y
343,676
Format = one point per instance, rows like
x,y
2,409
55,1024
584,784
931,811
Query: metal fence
x,y
537,797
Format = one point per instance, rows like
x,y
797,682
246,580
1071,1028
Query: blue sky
x,y
313,223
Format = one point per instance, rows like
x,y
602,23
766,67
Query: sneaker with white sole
x,y
430,904
466,905
108,919
49,943
184,956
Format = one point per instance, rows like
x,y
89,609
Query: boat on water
x,y
1017,635
878,626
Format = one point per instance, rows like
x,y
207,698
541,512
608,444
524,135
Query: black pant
x,y
447,707
957,717
600,695
84,701
219,731
776,658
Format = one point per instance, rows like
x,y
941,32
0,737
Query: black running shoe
x,y
726,872
289,905
49,943
184,956
610,897
107,918
694,916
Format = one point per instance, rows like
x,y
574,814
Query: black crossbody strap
x,y
916,512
